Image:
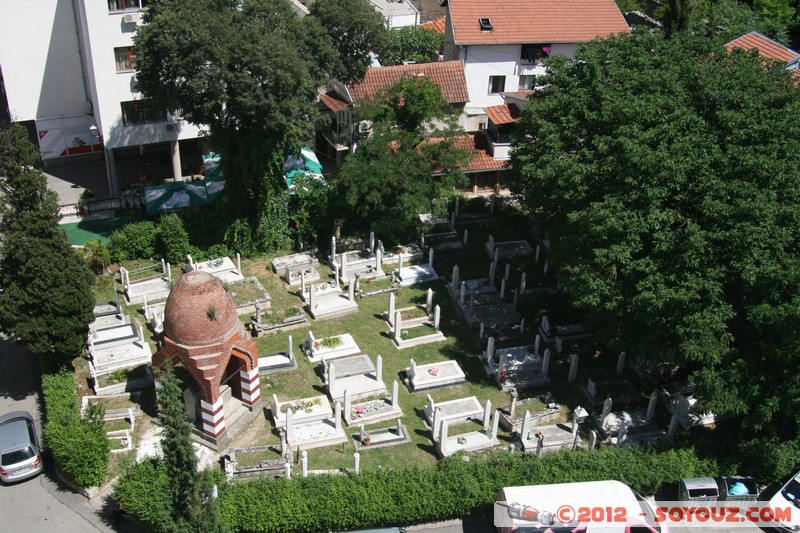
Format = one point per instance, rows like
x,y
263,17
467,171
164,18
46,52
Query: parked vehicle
x,y
20,455
789,496
726,488
603,506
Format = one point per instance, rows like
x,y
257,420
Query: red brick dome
x,y
199,311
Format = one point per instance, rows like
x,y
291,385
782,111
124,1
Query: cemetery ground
x,y
370,331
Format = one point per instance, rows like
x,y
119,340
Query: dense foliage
x,y
339,503
410,43
79,443
665,173
46,300
410,157
250,70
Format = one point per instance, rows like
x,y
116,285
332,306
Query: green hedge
x,y
453,487
79,444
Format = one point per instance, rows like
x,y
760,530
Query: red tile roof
x,y
502,114
333,101
436,25
520,94
765,46
482,160
448,75
534,21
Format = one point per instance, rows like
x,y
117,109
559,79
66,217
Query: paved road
x,y
38,505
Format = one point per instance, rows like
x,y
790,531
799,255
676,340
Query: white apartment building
x,y
503,44
67,72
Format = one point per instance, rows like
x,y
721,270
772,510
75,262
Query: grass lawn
x,y
373,337
78,233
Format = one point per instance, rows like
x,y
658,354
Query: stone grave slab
x,y
277,362
454,411
433,375
322,290
411,275
127,355
356,375
121,335
475,219
304,410
221,268
152,289
493,316
318,352
310,274
316,435
508,249
621,391
638,427
251,285
381,438
409,253
567,332
684,407
434,336
555,438
372,411
105,309
107,321
523,368
293,261
472,441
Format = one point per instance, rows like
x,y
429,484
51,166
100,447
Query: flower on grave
x,y
316,345
359,410
503,374
433,371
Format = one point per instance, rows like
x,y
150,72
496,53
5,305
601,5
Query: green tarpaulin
x,y
177,195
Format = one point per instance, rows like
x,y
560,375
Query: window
x,y
124,57
486,24
525,83
122,5
534,53
141,111
497,84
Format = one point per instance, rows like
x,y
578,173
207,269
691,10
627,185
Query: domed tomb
x,y
203,333
199,311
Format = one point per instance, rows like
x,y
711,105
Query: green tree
x,y
172,241
179,456
410,43
729,19
410,157
665,173
354,27
46,300
249,70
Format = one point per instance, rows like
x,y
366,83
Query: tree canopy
x,y
46,299
665,173
410,157
250,70
410,43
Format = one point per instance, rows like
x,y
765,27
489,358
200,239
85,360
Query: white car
x,y
20,455
789,496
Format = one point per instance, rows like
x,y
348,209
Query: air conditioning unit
x,y
365,126
130,18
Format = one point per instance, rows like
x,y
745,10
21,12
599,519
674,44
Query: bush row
x,y
451,488
142,240
78,443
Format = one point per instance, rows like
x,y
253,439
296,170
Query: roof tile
x,y
535,21
333,101
503,114
436,25
765,46
448,75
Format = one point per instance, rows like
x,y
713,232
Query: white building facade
x,y
67,69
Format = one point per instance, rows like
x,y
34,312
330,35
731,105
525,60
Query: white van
x,y
607,506
789,497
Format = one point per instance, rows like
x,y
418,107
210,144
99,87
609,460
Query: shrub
x,y
144,490
97,256
134,241
79,444
324,503
172,241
